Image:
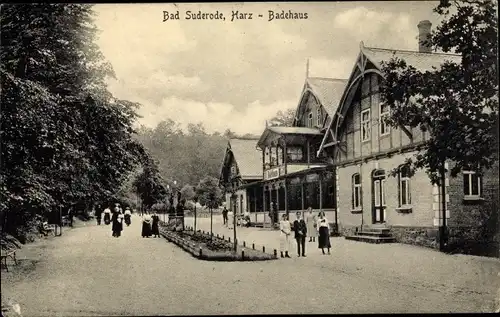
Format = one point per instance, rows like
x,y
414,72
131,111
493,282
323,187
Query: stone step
x,y
374,233
371,239
377,230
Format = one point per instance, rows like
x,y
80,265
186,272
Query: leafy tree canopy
x,y
457,104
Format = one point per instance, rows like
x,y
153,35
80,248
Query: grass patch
x,y
214,249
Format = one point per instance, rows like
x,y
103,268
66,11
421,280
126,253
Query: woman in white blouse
x,y
285,230
324,234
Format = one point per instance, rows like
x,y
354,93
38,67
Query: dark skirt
x,y
107,218
324,238
117,226
146,229
127,220
154,229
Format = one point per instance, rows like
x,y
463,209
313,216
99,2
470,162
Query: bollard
x,y
244,244
264,249
217,236
223,237
201,251
275,253
229,239
242,254
253,246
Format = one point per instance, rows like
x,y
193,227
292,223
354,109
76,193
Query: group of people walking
x,y
115,217
150,226
313,227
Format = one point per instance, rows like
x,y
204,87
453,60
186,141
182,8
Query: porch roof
x,y
290,175
272,134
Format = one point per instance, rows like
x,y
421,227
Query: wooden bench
x,y
8,254
46,231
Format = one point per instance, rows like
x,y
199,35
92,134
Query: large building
x,y
365,150
293,178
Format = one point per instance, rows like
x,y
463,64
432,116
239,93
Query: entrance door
x,y
378,194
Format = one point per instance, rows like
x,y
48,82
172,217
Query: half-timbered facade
x,y
294,178
365,150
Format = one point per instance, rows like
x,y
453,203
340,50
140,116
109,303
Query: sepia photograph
x,y
240,158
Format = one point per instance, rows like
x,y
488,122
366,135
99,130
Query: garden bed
x,y
216,249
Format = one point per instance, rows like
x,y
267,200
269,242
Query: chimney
x,y
424,32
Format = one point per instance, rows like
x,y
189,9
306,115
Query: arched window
x,y
356,191
404,186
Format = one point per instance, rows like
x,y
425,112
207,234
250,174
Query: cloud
x,y
238,74
377,28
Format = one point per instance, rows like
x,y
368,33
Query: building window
x,y
319,120
472,184
404,186
310,120
384,114
294,154
280,155
272,159
365,125
356,191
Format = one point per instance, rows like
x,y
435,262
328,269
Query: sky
x,y
238,74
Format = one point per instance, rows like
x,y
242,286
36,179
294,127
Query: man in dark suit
x,y
300,228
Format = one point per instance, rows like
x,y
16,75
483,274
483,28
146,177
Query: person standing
x,y
224,215
98,214
285,229
127,216
311,222
155,230
120,224
324,233
300,228
146,226
107,216
114,223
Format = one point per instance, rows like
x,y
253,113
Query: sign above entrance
x,y
275,172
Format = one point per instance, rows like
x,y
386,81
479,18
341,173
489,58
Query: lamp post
x,y
166,209
195,199
233,196
211,203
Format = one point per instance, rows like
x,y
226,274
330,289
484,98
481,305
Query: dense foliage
x,y
457,104
65,140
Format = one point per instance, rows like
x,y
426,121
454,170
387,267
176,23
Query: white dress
x,y
285,236
312,231
230,218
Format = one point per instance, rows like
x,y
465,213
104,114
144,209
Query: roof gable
x,y
421,61
248,158
327,91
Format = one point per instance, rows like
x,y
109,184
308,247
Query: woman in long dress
x,y
127,216
285,230
107,216
154,228
146,226
324,233
230,219
312,231
120,224
115,225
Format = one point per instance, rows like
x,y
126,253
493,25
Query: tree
x,y
456,104
66,140
206,187
283,118
149,185
188,192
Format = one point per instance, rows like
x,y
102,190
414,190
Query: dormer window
x,y
310,120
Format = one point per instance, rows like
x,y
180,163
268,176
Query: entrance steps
x,y
375,234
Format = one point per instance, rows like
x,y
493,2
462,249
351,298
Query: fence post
x,y
264,249
201,251
242,254
275,253
253,246
244,244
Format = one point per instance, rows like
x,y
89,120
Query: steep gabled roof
x,y
421,61
328,91
247,157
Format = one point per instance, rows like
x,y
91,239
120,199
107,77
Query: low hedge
x,y
214,249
